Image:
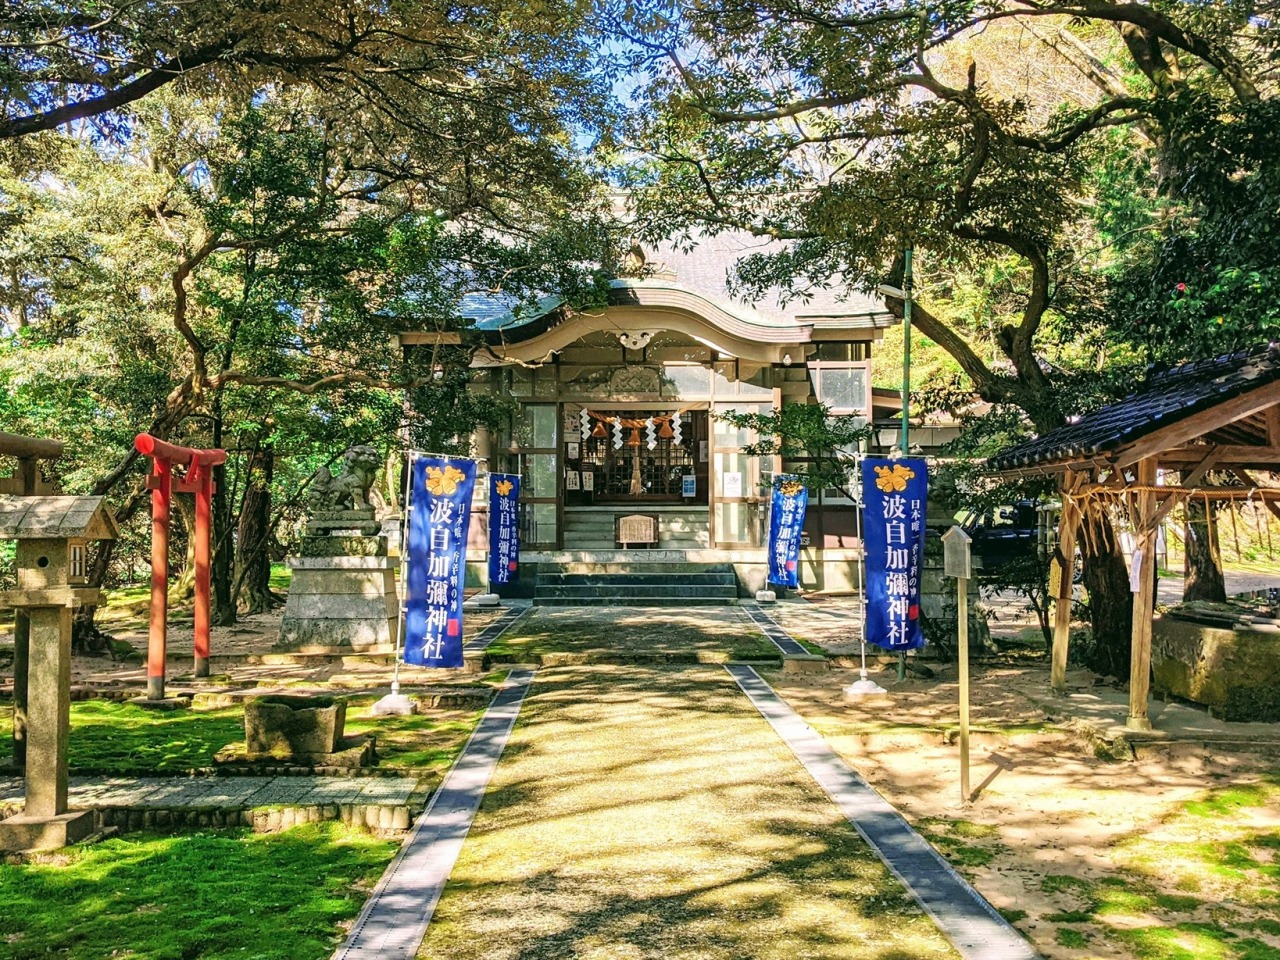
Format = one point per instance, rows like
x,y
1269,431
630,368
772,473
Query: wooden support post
x,y
962,621
1061,577
1144,599
204,514
160,482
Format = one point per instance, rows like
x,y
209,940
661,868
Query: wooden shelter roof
x,y
1179,415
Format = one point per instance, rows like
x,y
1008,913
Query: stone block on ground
x,y
804,663
288,727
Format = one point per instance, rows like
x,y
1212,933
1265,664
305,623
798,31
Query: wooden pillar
x,y
160,482
1061,580
1144,524
204,514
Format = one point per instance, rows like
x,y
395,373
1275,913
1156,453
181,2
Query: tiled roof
x,y
1167,397
706,269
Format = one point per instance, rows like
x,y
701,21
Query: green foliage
x,y
812,441
216,895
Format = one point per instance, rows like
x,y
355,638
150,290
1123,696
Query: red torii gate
x,y
197,478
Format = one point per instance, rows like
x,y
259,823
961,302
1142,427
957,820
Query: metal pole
x,y
906,387
962,612
906,352
404,570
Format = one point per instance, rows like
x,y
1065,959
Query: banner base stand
x,y
481,600
392,704
864,687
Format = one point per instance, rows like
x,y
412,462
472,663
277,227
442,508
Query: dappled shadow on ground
x,y
651,813
635,632
1093,858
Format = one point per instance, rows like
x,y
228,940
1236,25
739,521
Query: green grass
x,y
1066,937
119,738
122,739
585,635
963,842
211,895
421,741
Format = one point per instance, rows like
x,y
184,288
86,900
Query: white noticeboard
x,y
733,484
689,487
956,555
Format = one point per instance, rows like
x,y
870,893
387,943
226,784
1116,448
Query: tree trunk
x,y
222,563
1203,565
183,587
1110,600
253,533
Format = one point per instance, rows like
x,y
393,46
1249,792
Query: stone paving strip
x,y
781,639
496,629
226,792
392,923
973,925
649,812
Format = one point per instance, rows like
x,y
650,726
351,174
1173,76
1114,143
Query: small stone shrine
x,y
343,595
53,534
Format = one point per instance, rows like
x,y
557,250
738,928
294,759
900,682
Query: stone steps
x,y
636,585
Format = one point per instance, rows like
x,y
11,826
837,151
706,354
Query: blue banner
x,y
440,510
504,528
786,517
893,512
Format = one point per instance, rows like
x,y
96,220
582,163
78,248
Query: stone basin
x,y
1225,656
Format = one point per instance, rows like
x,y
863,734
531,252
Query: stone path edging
x,y
496,629
781,639
395,918
972,925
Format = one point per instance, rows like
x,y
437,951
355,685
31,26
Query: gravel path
x,y
652,813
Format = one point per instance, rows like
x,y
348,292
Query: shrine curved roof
x,y
698,278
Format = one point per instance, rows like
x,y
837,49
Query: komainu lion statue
x,y
349,490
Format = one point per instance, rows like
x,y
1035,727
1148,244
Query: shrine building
x,y
615,433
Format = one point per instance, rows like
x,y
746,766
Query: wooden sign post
x,y
957,562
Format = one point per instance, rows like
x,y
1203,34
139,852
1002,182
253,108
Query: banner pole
x,y
863,686
394,702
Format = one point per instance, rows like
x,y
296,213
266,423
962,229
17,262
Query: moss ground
x,y
211,895
125,740
651,812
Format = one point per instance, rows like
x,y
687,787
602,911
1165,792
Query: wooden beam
x,y
1064,563
1225,453
1198,424
1272,417
1196,474
1143,599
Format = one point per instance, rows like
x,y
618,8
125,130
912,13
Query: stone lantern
x,y
53,534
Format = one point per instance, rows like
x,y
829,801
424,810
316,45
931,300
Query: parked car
x,y
1002,534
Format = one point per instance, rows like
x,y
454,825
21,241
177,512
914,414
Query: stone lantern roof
x,y
37,518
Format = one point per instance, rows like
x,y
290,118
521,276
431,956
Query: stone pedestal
x,y
343,594
45,822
